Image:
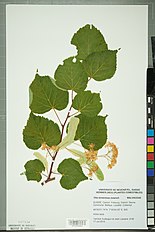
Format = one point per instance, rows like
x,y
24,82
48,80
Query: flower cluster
x,y
91,154
54,148
112,154
44,146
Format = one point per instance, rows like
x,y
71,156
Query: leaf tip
x,y
106,116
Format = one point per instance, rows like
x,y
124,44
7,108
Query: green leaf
x,y
100,65
92,130
71,75
44,95
87,40
40,130
69,138
72,173
98,172
42,159
88,103
34,169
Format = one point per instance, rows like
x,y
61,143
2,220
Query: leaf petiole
x,y
44,174
49,153
57,117
56,173
73,114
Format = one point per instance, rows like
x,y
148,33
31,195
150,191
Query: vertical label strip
x,y
150,163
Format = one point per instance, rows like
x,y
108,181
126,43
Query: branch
x,y
48,180
62,131
50,172
68,115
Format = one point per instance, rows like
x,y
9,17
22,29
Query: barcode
x,y
77,223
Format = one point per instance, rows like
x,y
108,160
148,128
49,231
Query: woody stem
x,y
62,131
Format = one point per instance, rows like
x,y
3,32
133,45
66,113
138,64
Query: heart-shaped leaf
x,y
92,131
40,130
87,40
71,75
34,169
44,95
88,103
72,173
101,65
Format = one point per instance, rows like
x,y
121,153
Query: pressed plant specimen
x,y
82,125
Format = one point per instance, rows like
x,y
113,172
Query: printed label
x,y
22,225
116,205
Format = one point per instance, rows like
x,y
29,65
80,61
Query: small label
x,y
22,225
77,223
